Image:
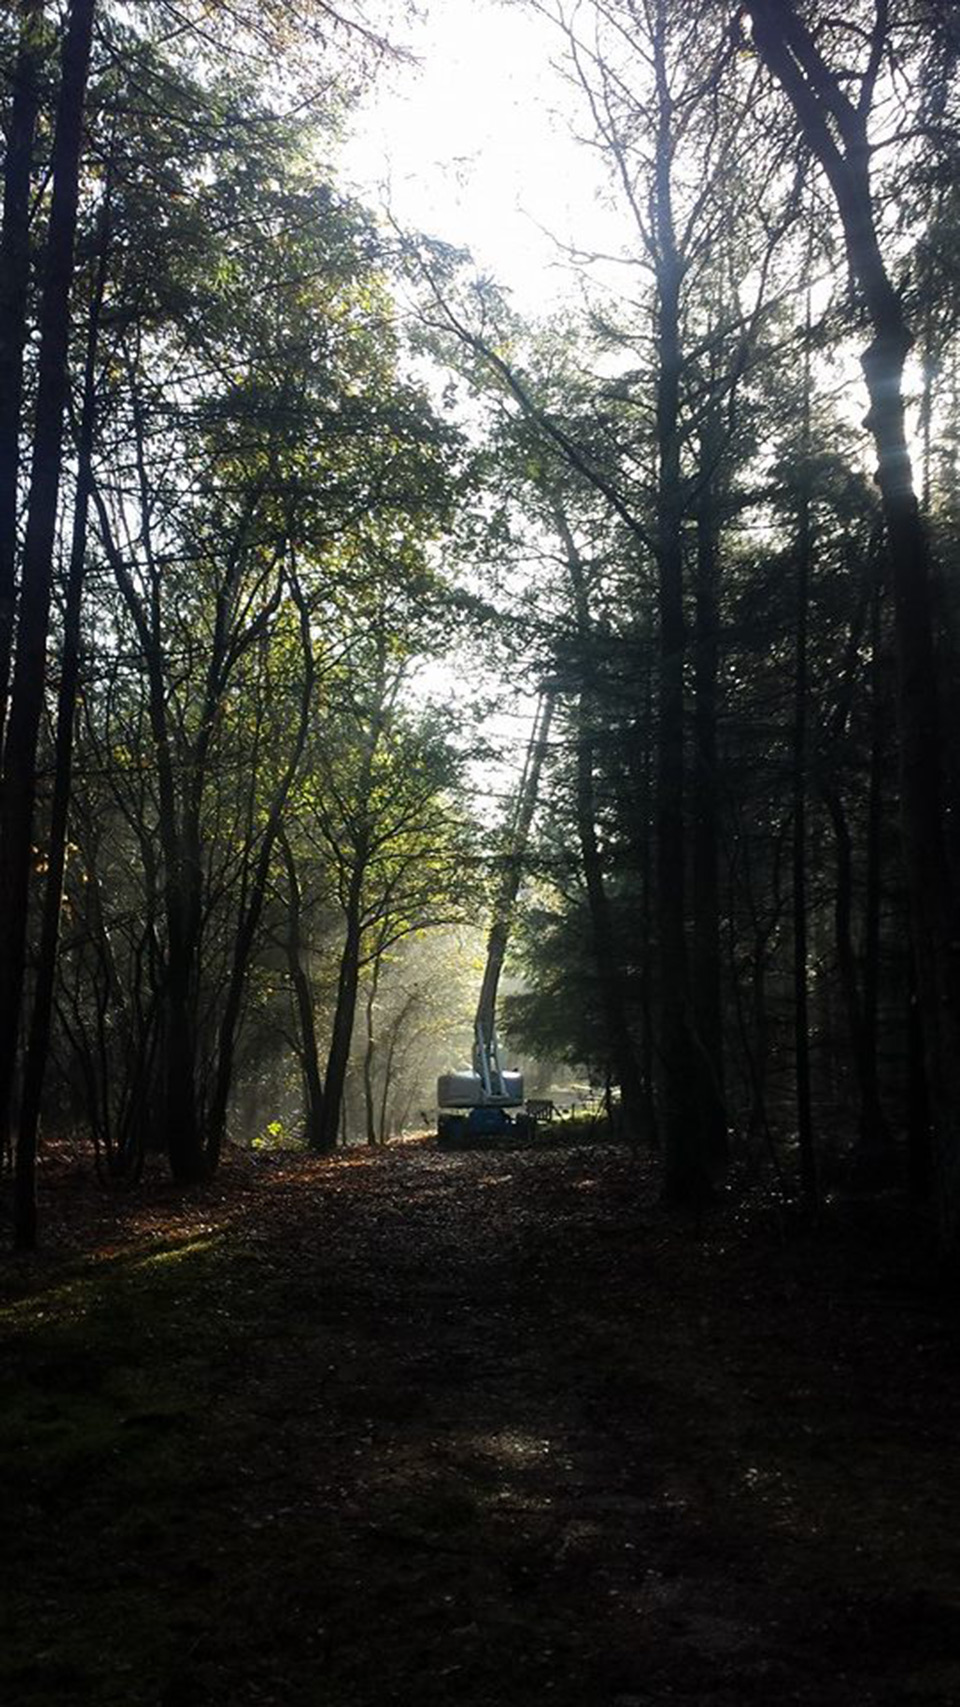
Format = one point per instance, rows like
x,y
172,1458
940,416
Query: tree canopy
x,y
292,500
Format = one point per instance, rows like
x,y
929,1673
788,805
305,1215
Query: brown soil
x,y
485,1429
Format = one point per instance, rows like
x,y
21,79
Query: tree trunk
x,y
647,939
875,1137
634,1108
636,1113
38,1047
384,1128
919,1146
14,288
181,884
934,925
344,1015
369,1054
872,1147
386,1086
184,1139
686,1166
801,1020
252,912
18,792
707,1001
303,995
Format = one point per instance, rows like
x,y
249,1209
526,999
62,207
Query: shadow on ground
x,y
483,1429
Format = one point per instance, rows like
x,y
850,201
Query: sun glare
x,y
475,147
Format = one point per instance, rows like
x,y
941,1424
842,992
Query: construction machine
x,y
485,1101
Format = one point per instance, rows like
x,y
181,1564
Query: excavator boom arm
x,y
486,1061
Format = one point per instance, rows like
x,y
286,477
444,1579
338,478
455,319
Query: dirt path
x,y
483,1429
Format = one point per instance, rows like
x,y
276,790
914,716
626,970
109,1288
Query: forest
x,y
303,512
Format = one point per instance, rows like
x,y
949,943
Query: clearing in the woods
x,y
472,1429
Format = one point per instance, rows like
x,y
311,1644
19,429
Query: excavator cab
x,y
482,1103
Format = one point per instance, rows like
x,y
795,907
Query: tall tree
x,y
832,104
19,780
391,850
38,1046
14,284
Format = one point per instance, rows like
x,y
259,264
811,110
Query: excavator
x,y
485,1102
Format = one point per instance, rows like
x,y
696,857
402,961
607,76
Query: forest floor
x,y
486,1429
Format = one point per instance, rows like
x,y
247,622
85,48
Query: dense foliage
x,y
233,525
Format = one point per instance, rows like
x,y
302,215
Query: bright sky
x,y
469,148
474,146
